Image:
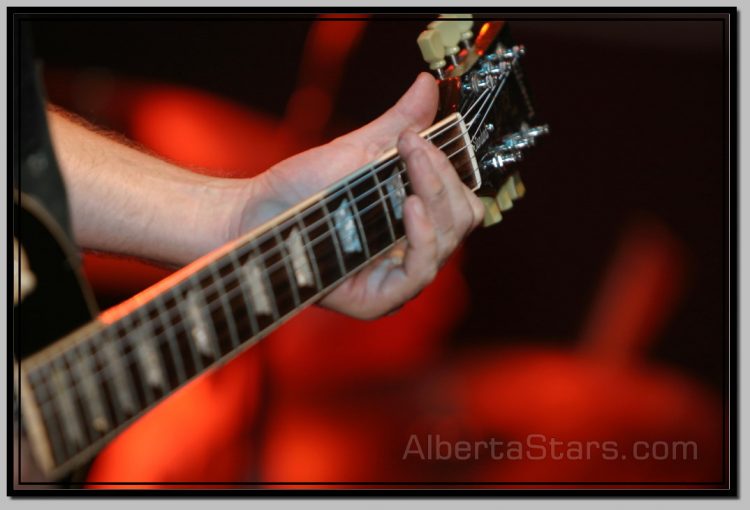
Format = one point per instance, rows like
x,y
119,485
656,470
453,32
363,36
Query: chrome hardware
x,y
499,157
524,138
512,145
478,82
494,67
511,53
536,131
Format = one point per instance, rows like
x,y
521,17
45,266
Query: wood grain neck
x,y
82,391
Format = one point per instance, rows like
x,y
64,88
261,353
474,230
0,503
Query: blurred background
x,y
594,311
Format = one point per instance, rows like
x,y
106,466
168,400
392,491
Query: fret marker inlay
x,y
302,270
396,192
258,292
347,228
148,358
199,328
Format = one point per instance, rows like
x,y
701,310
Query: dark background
x,y
637,130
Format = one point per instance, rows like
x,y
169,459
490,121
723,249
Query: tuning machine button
x,y
464,24
492,214
433,52
504,198
518,186
450,34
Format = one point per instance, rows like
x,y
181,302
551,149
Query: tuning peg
x,y
449,33
518,185
503,199
464,23
433,52
510,188
492,214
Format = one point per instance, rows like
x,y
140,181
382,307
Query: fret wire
x,y
56,404
174,347
267,280
358,219
244,293
79,390
367,193
386,210
273,301
360,178
320,238
310,253
49,416
197,361
327,219
221,288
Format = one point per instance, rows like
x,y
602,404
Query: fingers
x,y
421,257
452,207
420,260
477,207
415,110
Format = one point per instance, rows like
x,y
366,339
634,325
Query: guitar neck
x,y
83,390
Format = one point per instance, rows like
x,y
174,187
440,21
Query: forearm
x,y
129,202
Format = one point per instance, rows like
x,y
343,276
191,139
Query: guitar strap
x,y
35,169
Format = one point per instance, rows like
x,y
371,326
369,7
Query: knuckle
x,y
449,232
429,274
439,191
471,217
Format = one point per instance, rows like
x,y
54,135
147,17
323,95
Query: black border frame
x,y
443,489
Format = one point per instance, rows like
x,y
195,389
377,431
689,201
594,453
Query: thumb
x,y
415,110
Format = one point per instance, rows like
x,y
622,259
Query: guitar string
x,y
278,249
494,98
128,358
230,280
237,287
366,173
106,375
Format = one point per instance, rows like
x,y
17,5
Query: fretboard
x,y
86,388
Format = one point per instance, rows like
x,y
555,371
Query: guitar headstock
x,y
480,77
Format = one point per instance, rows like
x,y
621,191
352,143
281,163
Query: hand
x,y
440,213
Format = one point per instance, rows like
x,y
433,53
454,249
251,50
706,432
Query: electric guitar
x,y
80,381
